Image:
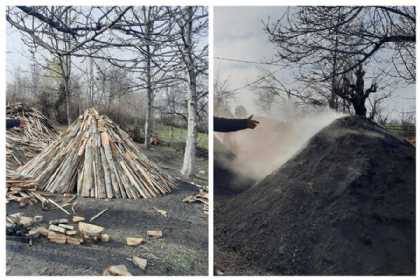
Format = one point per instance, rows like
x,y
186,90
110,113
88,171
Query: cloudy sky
x,y
239,35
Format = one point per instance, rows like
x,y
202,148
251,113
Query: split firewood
x,y
189,199
23,144
154,233
65,226
98,215
77,219
95,158
22,190
201,197
140,262
116,270
73,241
57,237
90,229
58,206
26,221
162,212
43,231
134,241
71,232
56,229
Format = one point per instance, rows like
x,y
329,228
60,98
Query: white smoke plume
x,y
283,131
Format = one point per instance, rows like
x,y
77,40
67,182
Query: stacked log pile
x,y
23,190
95,158
22,144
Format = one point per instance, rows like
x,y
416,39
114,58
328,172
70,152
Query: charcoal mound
x,y
344,205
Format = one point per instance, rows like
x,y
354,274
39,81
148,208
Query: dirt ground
x,y
183,250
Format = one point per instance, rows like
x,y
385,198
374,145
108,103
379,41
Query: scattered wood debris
x,y
77,219
58,231
57,237
201,197
22,144
23,190
90,229
98,215
95,158
162,212
154,233
116,270
140,262
134,241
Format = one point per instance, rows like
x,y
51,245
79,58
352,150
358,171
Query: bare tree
x,y
310,35
147,33
192,23
328,45
61,31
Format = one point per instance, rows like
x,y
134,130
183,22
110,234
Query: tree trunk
x,y
67,92
149,107
359,107
190,146
67,71
149,118
189,155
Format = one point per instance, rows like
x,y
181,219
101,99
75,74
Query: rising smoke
x,y
283,131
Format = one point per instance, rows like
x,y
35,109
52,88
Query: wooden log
x,y
140,262
90,229
57,237
154,233
56,229
134,241
77,219
116,270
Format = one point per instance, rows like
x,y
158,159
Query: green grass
x,y
179,135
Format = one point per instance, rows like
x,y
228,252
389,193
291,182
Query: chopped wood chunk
x,y
140,262
116,270
71,232
154,233
57,229
57,237
162,212
43,231
77,219
90,229
65,226
74,241
134,241
26,221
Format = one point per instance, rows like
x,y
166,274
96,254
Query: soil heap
x,y
344,205
95,158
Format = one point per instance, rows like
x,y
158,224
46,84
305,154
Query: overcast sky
x,y
239,35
